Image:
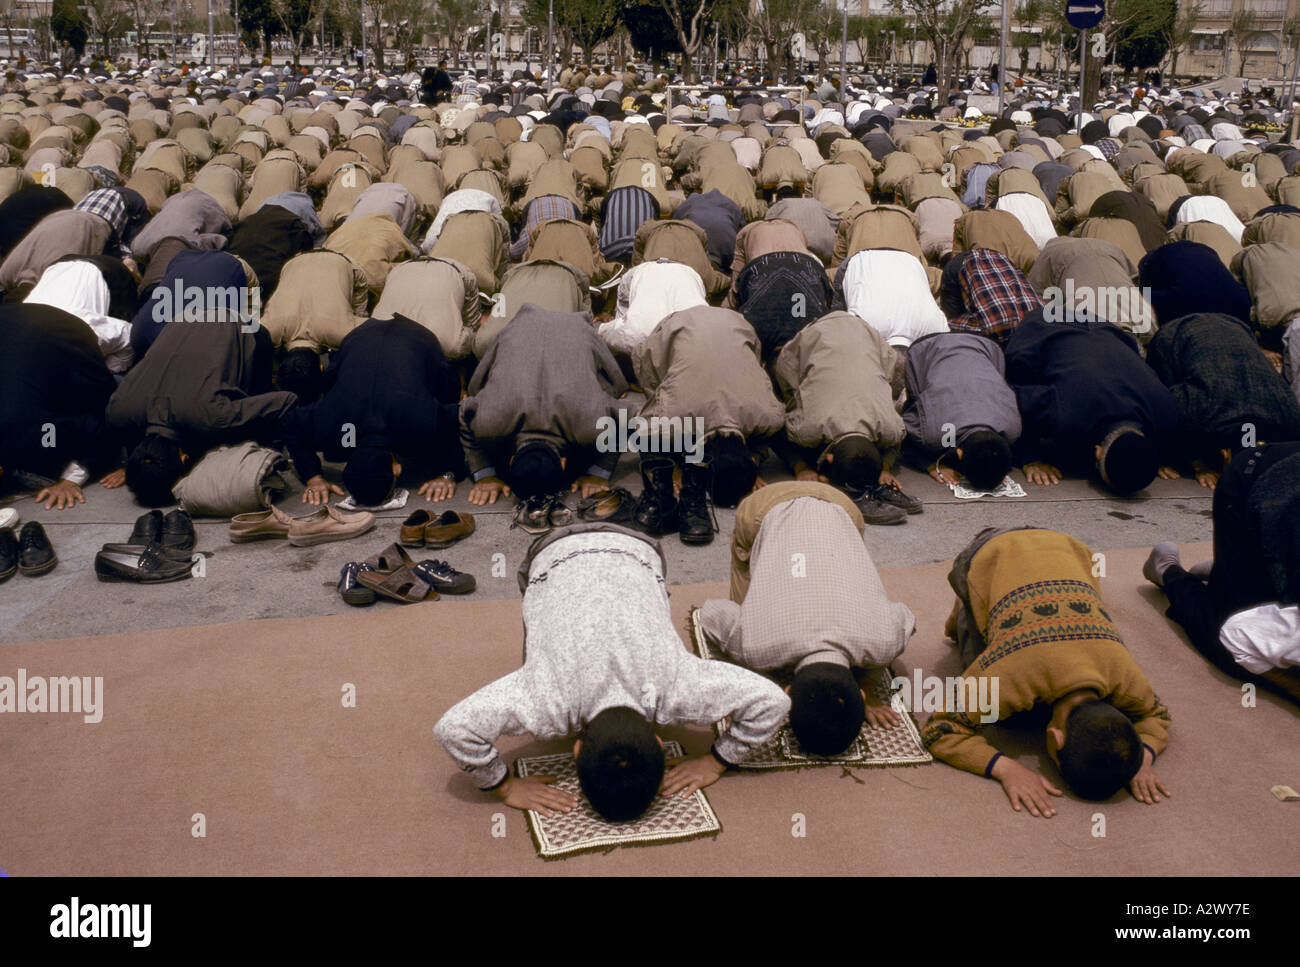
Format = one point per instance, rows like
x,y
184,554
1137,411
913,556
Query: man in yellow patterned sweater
x,y
1029,614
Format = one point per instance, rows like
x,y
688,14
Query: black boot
x,y
693,519
656,511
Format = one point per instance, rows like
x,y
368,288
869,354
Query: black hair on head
x,y
620,764
152,470
985,459
826,708
1102,751
855,464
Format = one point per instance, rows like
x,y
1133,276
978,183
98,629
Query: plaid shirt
x,y
111,207
543,208
996,296
108,205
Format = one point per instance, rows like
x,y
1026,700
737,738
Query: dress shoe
x,y
328,524
446,530
178,531
269,524
8,553
148,529
35,554
148,565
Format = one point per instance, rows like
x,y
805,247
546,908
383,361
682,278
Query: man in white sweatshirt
x,y
603,661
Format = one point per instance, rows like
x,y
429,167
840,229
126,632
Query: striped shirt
x,y
625,210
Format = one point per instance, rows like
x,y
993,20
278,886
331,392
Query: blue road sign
x,y
1084,14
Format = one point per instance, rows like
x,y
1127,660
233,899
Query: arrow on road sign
x,y
1084,16
1073,8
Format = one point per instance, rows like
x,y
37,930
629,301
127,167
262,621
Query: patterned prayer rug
x,y
897,746
566,834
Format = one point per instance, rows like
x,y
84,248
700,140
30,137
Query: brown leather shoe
x,y
268,524
412,532
446,530
328,524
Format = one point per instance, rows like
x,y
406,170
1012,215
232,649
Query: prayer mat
x,y
580,831
873,748
395,502
1008,488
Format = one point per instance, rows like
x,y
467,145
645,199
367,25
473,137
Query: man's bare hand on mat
x,y
1168,473
1146,785
536,792
63,495
487,490
589,484
437,489
692,774
1042,474
318,491
1025,786
881,716
113,479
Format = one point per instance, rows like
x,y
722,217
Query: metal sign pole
x,y
1002,56
1083,69
844,51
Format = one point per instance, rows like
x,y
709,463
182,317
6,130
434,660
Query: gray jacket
x,y
548,376
957,379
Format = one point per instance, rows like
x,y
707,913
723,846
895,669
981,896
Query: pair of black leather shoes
x,y
28,551
157,552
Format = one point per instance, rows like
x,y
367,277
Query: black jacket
x,y
390,380
1075,381
54,386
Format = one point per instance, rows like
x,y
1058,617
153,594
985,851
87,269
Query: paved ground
x,y
266,580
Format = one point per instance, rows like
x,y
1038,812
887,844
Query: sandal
x,y
390,559
401,585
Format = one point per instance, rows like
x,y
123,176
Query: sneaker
x,y
35,553
880,513
8,517
533,515
889,494
560,514
350,590
444,578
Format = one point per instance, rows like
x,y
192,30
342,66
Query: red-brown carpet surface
x,y
245,724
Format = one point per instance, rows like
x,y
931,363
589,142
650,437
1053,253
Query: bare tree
x,y
1243,26
688,18
145,13
946,24
108,20
456,19
1179,32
